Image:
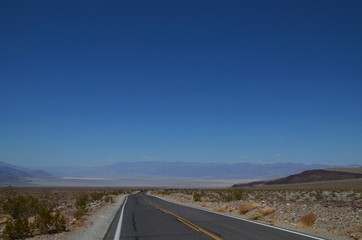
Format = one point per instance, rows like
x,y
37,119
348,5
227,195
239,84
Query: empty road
x,y
147,217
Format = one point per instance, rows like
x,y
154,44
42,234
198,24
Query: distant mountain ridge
x,y
154,169
316,176
10,173
309,176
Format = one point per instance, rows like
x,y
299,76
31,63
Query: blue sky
x,y
96,82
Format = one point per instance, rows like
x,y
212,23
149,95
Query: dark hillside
x,y
315,176
309,176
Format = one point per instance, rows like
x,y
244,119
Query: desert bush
x,y
79,213
21,206
81,201
222,208
197,197
119,192
95,196
254,216
319,195
266,211
167,192
108,199
4,218
17,229
49,222
81,207
237,194
213,199
227,197
247,207
308,219
232,195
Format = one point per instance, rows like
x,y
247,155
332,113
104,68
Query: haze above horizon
x,y
93,82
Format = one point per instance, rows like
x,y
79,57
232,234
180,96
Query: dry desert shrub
x,y
213,199
247,207
308,220
254,216
222,208
80,223
4,218
355,232
266,211
197,197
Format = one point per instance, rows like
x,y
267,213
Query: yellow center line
x,y
184,221
188,224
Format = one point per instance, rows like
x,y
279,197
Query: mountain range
x,y
12,173
243,172
156,169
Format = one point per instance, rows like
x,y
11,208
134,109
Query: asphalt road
x,y
147,217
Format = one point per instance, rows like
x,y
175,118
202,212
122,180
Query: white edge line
x,y
243,219
117,236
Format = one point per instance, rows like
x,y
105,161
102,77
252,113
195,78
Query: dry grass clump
x,y
80,223
212,199
247,207
222,208
266,210
308,220
254,215
355,232
4,218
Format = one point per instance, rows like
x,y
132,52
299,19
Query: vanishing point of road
x,y
144,217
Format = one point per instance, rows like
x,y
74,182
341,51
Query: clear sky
x,y
96,82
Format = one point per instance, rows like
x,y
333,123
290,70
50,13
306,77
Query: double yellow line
x,y
184,221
